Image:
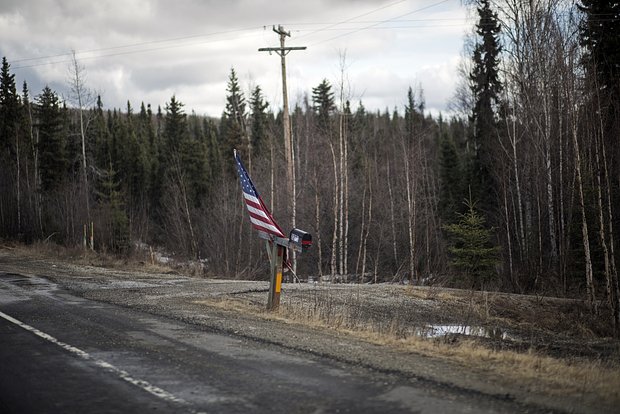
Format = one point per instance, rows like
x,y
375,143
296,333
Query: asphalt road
x,y
60,353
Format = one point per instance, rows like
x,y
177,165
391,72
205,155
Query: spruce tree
x,y
233,125
486,89
215,162
52,158
111,206
451,183
175,126
473,254
259,125
100,135
9,111
600,34
413,114
136,163
324,104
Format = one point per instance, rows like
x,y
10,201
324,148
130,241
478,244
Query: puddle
x,y
437,331
38,284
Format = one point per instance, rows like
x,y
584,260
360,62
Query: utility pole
x,y
282,51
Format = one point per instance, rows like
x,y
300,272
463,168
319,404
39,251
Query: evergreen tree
x,y
600,34
136,164
9,110
193,155
413,114
215,163
233,125
259,126
116,223
175,127
186,155
473,253
486,88
451,189
100,136
52,158
324,104
151,143
26,121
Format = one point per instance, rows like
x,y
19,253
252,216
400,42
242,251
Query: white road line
x,y
145,385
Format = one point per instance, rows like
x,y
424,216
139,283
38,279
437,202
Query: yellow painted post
x,y
275,282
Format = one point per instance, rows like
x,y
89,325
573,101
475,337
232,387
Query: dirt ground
x,y
541,352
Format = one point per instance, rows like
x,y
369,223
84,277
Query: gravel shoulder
x,y
393,312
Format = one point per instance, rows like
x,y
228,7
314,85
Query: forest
x,y
516,190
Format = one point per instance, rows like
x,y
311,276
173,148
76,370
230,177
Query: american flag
x,y
261,218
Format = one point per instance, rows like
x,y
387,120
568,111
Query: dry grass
x,y
79,256
539,373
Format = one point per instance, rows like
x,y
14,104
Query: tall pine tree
x,y
52,158
259,125
486,89
233,126
324,104
9,109
600,34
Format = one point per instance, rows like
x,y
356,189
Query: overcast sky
x,y
148,50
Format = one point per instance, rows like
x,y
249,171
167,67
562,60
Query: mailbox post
x,y
298,241
276,259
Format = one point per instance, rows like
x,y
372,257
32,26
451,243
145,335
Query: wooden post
x,y
275,281
289,155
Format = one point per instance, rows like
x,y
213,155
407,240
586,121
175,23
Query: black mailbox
x,y
299,240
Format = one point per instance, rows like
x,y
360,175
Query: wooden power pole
x,y
282,51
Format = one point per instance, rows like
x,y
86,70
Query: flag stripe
x,y
257,212
251,198
262,225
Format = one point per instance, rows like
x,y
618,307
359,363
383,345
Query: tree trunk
x,y
584,224
333,262
392,220
317,217
515,169
562,244
362,232
602,237
345,172
411,207
508,239
341,194
78,89
550,197
367,228
19,210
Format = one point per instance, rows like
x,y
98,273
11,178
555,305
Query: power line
x,y
354,18
133,45
128,52
381,22
427,26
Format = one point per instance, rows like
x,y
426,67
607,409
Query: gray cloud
x,y
143,50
